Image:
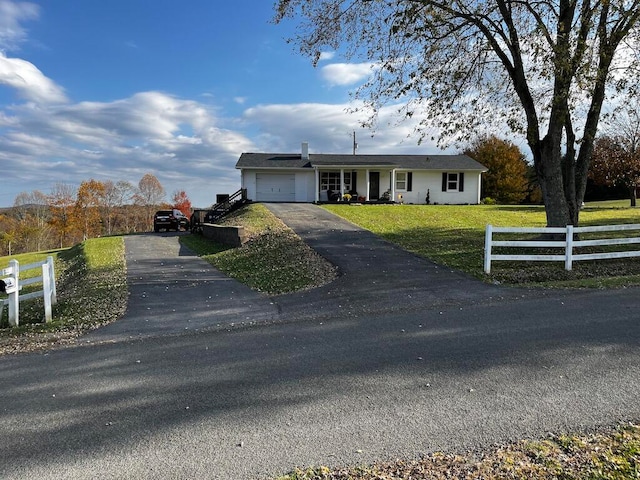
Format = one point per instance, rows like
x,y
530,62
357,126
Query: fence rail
x,y
15,284
568,244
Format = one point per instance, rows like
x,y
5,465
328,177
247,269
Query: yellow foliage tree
x,y
89,201
506,180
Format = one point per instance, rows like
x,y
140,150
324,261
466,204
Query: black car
x,y
170,220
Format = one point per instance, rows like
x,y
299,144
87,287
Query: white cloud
x,y
177,140
327,56
346,73
329,129
29,82
11,14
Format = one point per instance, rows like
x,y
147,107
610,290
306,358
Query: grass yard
x,y
453,235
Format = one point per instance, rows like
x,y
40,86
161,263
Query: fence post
x,y
52,280
568,253
14,297
46,291
487,248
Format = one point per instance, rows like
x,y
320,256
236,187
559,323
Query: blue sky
x,y
112,90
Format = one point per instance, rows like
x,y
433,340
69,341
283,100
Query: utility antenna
x,y
355,145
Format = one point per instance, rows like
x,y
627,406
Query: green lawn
x,y
453,235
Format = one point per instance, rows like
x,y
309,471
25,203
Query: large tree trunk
x,y
550,176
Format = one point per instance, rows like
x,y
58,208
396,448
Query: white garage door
x,y
274,187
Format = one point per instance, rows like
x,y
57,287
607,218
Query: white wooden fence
x,y
568,244
15,284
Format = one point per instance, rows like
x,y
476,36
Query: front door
x,y
374,185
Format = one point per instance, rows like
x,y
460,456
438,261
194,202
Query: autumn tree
x,y
61,202
543,69
506,178
181,202
9,229
616,162
89,202
150,195
31,210
116,196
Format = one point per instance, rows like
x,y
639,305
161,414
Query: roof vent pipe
x,y
305,150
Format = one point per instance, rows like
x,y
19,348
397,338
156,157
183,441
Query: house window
x,y
331,181
401,181
452,182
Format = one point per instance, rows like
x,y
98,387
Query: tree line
x,y
67,216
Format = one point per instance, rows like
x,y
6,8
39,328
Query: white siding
x,y
304,186
424,181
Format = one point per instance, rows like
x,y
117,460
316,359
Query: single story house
x,y
305,177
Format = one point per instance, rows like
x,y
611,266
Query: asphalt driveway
x,y
173,291
375,275
465,367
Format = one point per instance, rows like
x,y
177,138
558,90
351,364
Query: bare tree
x,y
150,195
32,212
61,202
541,68
123,195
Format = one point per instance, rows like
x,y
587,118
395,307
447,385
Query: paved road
x,y
252,402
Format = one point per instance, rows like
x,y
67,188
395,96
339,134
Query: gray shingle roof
x,y
410,162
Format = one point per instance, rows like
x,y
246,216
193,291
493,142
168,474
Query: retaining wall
x,y
233,236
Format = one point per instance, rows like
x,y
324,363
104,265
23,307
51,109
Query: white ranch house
x,y
305,177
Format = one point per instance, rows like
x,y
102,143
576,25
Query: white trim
x,y
453,190
393,185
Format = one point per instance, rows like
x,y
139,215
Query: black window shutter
x,y
461,182
444,181
409,181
